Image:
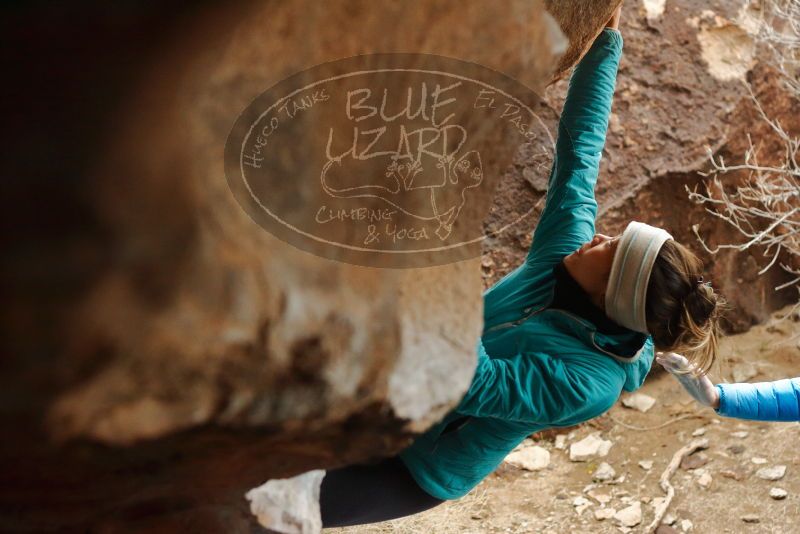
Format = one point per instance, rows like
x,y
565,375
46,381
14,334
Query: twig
x,y
662,425
685,451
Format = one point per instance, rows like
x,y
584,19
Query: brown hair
x,y
682,312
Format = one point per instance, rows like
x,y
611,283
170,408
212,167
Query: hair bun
x,y
701,301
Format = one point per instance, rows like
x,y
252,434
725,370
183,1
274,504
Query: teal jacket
x,y
540,367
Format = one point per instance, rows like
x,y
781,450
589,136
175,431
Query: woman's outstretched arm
x,y
568,219
762,401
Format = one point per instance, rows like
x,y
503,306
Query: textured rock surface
x,y
581,21
672,102
211,320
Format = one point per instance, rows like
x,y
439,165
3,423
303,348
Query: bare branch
x,y
764,205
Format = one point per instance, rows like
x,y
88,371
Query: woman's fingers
x,y
613,22
699,387
672,361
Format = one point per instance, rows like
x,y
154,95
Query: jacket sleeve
x,y
568,219
762,401
537,388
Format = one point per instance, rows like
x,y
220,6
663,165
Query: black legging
x,y
360,494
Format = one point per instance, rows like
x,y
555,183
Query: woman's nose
x,y
600,238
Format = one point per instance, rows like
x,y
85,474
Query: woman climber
x,y
564,333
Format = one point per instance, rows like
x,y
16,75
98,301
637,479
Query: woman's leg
x,y
360,494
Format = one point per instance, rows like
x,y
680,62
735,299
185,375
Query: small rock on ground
x,y
751,518
580,501
589,447
771,473
530,458
778,494
602,498
603,473
730,473
630,516
602,514
694,461
638,401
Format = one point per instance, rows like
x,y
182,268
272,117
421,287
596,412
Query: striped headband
x,y
626,293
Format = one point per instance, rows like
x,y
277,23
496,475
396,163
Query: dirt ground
x,y
515,500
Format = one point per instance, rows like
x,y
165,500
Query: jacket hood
x,y
632,349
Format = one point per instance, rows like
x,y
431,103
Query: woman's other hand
x,y
699,387
613,22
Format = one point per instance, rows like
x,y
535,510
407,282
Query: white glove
x,y
699,387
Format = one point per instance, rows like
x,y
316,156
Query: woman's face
x,y
590,266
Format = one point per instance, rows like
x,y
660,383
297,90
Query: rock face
x,y
671,103
580,21
210,355
268,333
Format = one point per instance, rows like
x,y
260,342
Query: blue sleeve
x,y
537,388
568,219
762,401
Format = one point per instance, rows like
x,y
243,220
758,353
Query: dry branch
x,y
765,207
663,481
